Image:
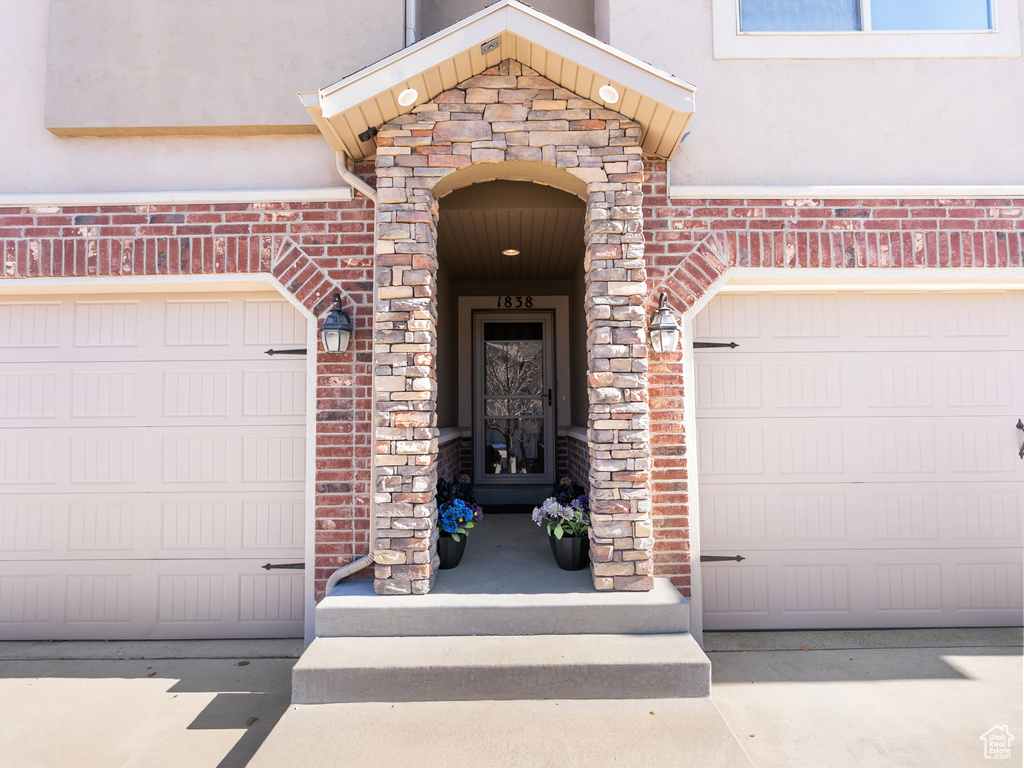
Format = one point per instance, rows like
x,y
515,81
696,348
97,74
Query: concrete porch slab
x,y
539,734
507,584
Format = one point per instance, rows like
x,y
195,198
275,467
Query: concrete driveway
x,y
867,699
859,699
189,704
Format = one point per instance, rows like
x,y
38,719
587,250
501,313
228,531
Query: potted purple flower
x,y
566,515
457,512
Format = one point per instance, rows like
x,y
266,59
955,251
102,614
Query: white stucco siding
x,y
198,65
758,121
842,121
34,160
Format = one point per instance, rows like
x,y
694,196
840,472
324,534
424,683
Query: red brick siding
x,y
577,460
691,243
314,249
561,457
449,460
466,456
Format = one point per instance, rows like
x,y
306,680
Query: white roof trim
x,y
517,25
175,197
843,191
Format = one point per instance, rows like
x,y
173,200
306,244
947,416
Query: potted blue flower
x,y
566,515
457,512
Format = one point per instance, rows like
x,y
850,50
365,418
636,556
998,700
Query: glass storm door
x,y
513,391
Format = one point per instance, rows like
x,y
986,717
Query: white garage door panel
x,y
815,450
148,599
860,516
863,321
152,393
144,526
860,451
892,588
116,328
168,459
151,459
856,383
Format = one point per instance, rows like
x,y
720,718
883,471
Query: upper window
x,y
863,15
865,29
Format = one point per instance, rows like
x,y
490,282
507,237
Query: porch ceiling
x,y
544,224
662,104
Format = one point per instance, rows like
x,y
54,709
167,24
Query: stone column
x,y
405,345
622,543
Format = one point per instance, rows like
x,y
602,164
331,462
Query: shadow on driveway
x,y
152,704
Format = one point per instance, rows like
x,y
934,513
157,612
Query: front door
x,y
513,430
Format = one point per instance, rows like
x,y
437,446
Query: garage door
x,y
860,451
151,460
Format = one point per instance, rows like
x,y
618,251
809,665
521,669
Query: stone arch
x,y
512,170
509,123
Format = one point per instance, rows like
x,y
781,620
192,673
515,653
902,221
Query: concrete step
x,y
353,610
500,734
468,668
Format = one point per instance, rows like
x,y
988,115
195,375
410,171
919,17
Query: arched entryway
x,y
493,131
511,359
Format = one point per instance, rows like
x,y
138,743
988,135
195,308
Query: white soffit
x,y
661,103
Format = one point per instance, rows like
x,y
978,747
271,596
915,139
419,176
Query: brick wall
x,y
577,461
316,248
313,249
691,243
449,459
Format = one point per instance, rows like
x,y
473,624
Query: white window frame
x,y
1003,40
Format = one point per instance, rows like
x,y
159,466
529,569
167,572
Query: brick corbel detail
x,y
313,249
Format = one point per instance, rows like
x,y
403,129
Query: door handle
x,y
1020,426
549,400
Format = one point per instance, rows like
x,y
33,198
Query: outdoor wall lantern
x,y
337,328
664,329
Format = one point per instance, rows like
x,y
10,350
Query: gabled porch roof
x,y
662,104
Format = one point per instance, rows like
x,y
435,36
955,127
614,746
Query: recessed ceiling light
x,y
408,97
608,94
510,252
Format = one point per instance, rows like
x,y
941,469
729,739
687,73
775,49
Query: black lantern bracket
x,y
336,330
663,328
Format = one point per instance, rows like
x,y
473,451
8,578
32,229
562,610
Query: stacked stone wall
x,y
510,113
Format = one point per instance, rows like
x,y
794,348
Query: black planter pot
x,y
572,553
450,551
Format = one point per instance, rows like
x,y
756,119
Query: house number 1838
x,y
515,302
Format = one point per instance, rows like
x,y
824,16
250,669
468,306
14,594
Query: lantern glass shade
x,y
664,329
336,330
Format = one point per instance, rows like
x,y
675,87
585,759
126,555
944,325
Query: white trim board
x,y
844,191
174,197
754,279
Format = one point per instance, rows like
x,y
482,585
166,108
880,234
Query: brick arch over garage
x,y
509,122
312,249
692,244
